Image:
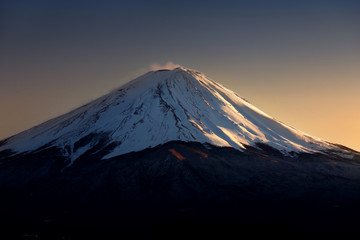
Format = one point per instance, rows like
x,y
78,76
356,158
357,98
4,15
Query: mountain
x,y
174,150
163,106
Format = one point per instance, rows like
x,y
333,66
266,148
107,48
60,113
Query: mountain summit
x,y
162,106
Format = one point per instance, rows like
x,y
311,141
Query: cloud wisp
x,y
157,66
154,67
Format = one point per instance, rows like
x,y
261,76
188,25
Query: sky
x,y
298,61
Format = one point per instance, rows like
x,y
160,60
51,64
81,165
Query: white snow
x,y
181,104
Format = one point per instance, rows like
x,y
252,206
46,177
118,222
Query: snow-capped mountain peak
x,y
162,106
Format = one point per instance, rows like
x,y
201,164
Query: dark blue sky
x,y
138,32
56,55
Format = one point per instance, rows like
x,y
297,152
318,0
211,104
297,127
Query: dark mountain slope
x,y
178,181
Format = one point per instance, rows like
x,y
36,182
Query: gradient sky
x,y
298,61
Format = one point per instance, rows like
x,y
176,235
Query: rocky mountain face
x,y
173,154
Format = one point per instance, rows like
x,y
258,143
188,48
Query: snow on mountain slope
x,y
181,104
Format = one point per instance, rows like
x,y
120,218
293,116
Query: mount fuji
x,y
163,106
173,146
